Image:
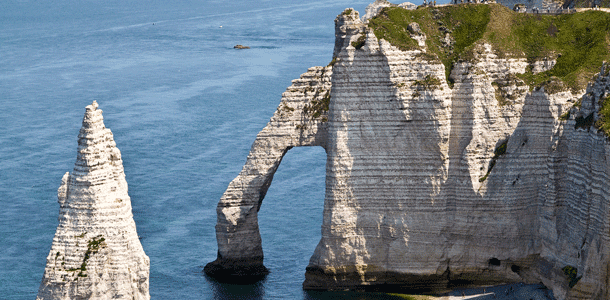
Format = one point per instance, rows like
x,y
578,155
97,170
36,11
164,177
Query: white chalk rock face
x,y
429,186
96,253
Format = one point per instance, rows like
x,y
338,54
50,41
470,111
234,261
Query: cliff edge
x,y
466,145
96,253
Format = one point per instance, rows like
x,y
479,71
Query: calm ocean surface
x,y
184,107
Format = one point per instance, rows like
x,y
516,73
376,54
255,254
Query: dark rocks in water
x,y
244,271
241,47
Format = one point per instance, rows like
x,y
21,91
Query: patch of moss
x,y
93,246
499,94
317,106
554,86
501,150
572,273
428,83
603,123
565,116
359,42
503,94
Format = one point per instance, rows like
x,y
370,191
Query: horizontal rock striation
x,y
430,186
96,253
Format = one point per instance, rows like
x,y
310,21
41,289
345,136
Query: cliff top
x,y
578,42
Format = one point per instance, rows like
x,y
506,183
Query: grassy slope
x,y
578,41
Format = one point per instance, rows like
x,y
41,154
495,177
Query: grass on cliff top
x,y
590,3
578,41
466,23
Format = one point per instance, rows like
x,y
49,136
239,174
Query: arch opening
x,y
290,217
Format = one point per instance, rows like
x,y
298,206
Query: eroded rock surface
x,y
430,186
96,253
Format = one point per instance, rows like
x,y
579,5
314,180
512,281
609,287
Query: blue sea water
x,y
184,107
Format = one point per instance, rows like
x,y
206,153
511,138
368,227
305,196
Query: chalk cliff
x,y
436,181
96,253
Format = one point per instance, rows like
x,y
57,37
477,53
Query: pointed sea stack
x,y
96,253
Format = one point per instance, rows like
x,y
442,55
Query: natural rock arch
x,y
300,120
397,216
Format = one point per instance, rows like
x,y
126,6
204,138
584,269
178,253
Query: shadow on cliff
x,y
503,212
379,139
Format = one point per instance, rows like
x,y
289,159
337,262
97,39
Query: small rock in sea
x,y
241,47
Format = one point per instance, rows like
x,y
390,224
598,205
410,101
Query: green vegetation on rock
x,y
317,107
428,83
359,42
579,42
572,274
93,246
603,123
465,24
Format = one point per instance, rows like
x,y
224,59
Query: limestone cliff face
x,y
430,186
96,253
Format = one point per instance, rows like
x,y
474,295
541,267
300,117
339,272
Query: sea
x,y
184,107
